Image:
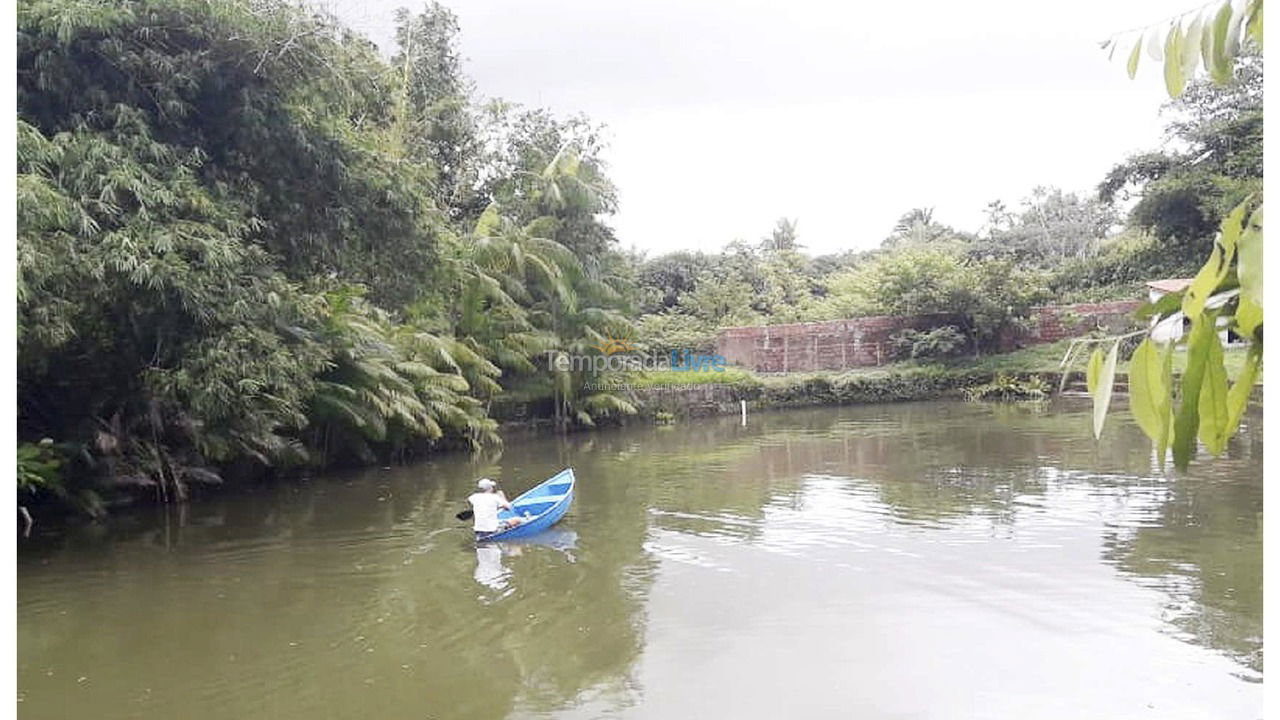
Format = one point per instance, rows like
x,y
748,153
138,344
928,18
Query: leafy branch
x,y
1200,37
1225,295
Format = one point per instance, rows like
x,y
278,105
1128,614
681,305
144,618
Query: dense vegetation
x,y
249,244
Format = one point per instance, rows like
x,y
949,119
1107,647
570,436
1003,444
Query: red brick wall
x,y
864,342
1055,322
831,345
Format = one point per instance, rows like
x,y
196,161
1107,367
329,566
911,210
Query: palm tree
x,y
914,225
391,387
783,237
526,293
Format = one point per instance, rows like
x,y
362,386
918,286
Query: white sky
x,y
726,115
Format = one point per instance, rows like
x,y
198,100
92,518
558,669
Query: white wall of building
x,y
1171,328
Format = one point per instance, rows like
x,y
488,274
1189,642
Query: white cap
x,y
486,484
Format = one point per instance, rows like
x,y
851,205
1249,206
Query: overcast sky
x,y
725,115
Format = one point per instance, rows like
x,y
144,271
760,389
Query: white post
x,y
743,403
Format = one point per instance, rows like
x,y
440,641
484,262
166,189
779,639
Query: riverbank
x,y
663,402
1028,373
669,396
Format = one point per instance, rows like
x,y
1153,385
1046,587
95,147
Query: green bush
x,y
44,479
1009,387
660,378
868,387
939,342
39,468
661,333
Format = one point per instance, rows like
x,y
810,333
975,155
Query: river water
x,y
922,560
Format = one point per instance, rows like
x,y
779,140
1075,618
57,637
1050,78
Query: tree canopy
x,y
248,243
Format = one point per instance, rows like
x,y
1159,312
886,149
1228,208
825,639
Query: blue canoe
x,y
541,507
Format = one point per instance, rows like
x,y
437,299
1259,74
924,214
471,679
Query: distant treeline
x,y
1153,216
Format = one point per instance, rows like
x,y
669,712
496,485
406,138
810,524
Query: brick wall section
x,y
1055,322
831,345
864,342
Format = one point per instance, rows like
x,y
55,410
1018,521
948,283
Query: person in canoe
x,y
485,504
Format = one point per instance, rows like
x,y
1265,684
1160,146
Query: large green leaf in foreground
x,y
1102,375
1204,335
1151,393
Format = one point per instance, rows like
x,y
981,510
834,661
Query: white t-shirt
x,y
485,505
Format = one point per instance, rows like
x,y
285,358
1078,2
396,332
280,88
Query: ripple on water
x,y
938,558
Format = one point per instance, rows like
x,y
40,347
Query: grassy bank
x,y
701,393
866,386
1046,359
1023,373
666,378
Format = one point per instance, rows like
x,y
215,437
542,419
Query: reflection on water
x,y
918,560
490,571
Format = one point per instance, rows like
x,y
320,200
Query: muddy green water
x,y
926,560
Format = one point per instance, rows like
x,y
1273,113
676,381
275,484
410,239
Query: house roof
x,y
1170,285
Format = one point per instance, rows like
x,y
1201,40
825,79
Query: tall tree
x,y
783,238
1183,192
1053,226
436,119
917,227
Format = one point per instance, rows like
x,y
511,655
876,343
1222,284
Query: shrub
x,y
867,387
661,333
939,342
1008,387
39,468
